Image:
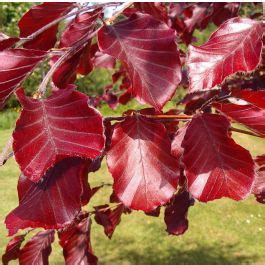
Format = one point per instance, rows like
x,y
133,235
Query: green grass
x,y
220,232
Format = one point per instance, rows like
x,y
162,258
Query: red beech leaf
x,y
176,213
259,184
38,17
15,65
196,19
148,47
53,202
224,11
80,62
76,244
13,249
100,59
38,249
256,98
215,165
248,115
7,42
108,218
235,46
155,9
142,181
154,213
51,129
176,146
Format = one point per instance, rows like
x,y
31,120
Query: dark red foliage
x,y
157,10
195,101
54,201
38,17
133,168
176,146
248,115
158,157
6,42
108,218
235,46
196,18
154,213
13,249
176,213
38,249
60,126
259,184
76,245
223,11
256,98
147,47
80,62
15,65
215,165
100,59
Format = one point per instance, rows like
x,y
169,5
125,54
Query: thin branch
x,y
111,19
244,132
58,20
70,52
169,117
162,117
73,50
5,155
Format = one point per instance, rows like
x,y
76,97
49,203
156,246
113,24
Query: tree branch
x,y
58,20
73,50
111,19
244,132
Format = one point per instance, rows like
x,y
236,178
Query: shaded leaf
x,y
224,11
38,17
76,245
108,218
176,213
15,65
147,46
256,98
235,46
80,61
7,42
248,115
52,202
142,181
195,20
155,9
215,165
13,249
38,249
51,129
154,213
176,146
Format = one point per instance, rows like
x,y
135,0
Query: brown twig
x,y
244,132
162,117
73,50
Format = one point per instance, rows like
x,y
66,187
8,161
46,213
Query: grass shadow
x,y
200,255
